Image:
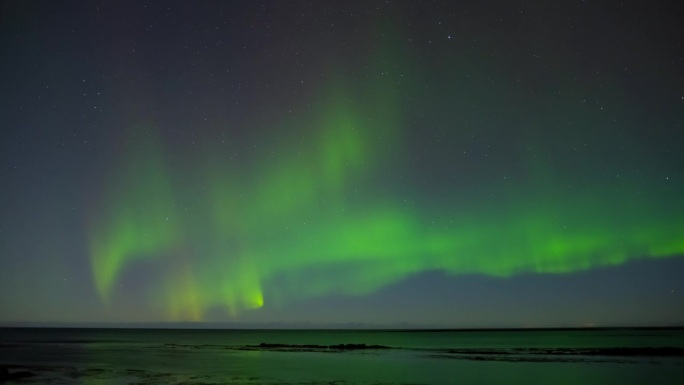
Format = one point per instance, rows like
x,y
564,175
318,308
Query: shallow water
x,y
144,356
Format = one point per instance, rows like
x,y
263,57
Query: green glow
x,y
312,214
141,219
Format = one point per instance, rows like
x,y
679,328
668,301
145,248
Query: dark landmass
x,y
312,348
512,354
286,347
618,354
552,352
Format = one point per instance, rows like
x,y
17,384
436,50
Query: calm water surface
x,y
144,356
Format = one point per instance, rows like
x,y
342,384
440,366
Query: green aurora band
x,y
311,214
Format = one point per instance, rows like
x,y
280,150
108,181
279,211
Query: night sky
x,y
412,163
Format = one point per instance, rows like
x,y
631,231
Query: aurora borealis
x,y
241,162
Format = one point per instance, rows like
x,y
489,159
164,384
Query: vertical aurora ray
x,y
137,219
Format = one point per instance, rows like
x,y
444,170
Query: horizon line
x,y
360,326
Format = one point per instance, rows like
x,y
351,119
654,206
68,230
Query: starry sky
x,y
413,163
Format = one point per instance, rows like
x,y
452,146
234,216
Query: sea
x,y
186,356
